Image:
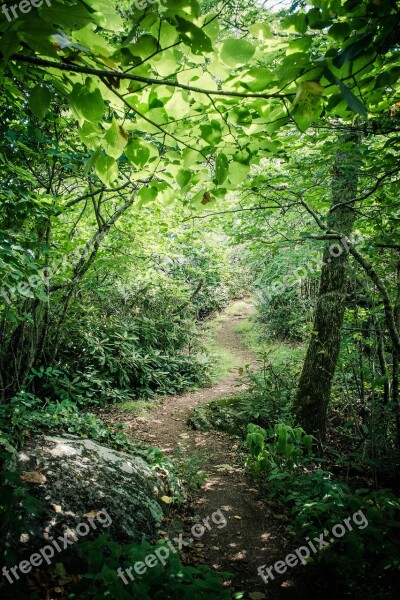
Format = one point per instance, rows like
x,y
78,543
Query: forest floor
x,y
254,534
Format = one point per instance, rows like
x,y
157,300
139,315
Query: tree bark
x,y
319,367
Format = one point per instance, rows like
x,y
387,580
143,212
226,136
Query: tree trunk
x,y
319,367
396,359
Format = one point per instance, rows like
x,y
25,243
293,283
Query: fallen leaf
x,y
257,596
221,468
33,477
91,515
167,499
56,507
236,517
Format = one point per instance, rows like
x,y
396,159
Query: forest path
x,y
252,536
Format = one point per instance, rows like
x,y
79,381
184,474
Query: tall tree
x,y
323,351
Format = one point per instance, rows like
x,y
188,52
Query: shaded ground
x,y
253,535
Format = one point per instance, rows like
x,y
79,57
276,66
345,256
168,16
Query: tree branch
x,y
117,75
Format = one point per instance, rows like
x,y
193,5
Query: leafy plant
x,y
283,449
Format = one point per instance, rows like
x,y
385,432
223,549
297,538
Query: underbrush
x,y
267,397
142,340
314,493
93,575
364,558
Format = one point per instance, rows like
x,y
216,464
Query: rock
x,y
80,478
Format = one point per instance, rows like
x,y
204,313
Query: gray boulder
x,y
80,481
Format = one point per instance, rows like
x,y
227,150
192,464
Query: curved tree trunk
x,y
319,367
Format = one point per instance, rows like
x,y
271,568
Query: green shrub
x,y
365,561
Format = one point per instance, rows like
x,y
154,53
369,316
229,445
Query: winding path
x,y
253,536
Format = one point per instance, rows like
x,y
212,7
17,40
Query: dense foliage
x,y
160,158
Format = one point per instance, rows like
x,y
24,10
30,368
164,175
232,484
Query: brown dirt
x,y
255,534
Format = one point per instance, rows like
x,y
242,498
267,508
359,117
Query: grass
x,y
139,408
278,351
224,361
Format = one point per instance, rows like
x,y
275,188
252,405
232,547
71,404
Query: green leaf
x,y
9,44
353,50
352,100
339,31
87,102
90,135
238,172
183,177
138,152
73,16
90,163
221,168
307,103
298,22
211,132
235,53
115,140
146,195
106,169
39,101
183,7
193,36
261,31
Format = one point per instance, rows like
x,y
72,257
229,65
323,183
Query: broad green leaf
x,y
211,132
115,140
238,172
72,16
339,31
297,22
87,102
106,169
307,103
9,44
350,52
105,14
258,79
91,162
236,52
90,134
37,34
146,195
183,177
39,101
183,7
138,152
194,37
221,168
261,31
352,100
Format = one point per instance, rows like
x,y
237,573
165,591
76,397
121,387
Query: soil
x,y
255,534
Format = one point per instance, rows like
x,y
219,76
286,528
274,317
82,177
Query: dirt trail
x,y
252,536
